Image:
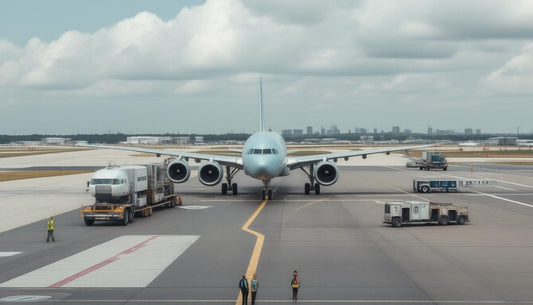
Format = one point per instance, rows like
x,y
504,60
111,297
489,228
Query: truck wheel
x,y
130,216
396,222
421,168
173,202
444,220
424,189
445,168
125,219
88,221
461,220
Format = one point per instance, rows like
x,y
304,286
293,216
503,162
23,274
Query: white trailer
x,y
410,212
446,184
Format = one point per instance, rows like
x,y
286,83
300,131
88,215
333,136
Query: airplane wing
x,y
297,162
223,160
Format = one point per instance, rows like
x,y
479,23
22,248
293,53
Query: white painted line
x,y
6,254
194,207
505,188
25,298
126,261
505,199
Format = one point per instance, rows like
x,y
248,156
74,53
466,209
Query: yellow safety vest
x,y
51,224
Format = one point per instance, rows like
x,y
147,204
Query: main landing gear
x,y
311,185
228,186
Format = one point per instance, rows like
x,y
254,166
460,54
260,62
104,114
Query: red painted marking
x,y
101,264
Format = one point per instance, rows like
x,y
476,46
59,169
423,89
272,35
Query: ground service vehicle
x,y
408,212
121,192
429,160
444,184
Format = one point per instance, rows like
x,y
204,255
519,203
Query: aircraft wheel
x,y
234,189
307,188
270,197
224,188
263,195
317,189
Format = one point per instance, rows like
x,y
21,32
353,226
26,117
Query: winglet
x,y
261,113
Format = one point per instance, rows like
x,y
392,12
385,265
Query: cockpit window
x,y
266,151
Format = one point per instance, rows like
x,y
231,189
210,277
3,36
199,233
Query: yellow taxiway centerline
x,y
256,253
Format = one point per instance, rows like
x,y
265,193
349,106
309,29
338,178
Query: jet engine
x,y
326,173
210,173
178,171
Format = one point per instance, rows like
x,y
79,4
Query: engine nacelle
x,y
178,171
326,173
210,173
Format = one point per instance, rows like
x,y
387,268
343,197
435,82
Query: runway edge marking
x,y
256,253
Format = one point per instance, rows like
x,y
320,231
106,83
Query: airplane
x,y
263,157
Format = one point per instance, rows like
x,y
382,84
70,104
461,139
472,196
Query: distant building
x,y
441,132
322,131
297,132
143,140
56,141
430,130
286,132
469,131
334,130
396,129
478,132
198,139
309,130
504,141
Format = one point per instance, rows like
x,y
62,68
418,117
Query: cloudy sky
x,y
162,66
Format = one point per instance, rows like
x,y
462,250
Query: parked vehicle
x,y
409,212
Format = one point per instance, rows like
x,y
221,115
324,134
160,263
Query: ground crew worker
x,y
243,285
254,284
295,284
50,225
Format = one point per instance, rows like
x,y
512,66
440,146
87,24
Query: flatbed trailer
x,y
123,192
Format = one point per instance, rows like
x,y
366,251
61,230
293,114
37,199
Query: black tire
x,y
396,222
421,168
131,216
234,189
317,189
263,195
424,189
125,219
88,221
307,188
270,196
173,202
461,220
445,168
444,220
224,188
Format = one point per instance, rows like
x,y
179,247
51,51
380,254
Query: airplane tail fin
x,y
261,113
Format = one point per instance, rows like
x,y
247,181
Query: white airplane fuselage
x,y
263,156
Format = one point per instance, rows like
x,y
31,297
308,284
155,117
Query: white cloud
x,y
516,75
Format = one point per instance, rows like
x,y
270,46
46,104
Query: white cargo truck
x,y
429,160
410,212
121,192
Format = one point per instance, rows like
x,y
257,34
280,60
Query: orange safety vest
x,y
294,283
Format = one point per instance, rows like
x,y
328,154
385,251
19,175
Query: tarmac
x,y
196,253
